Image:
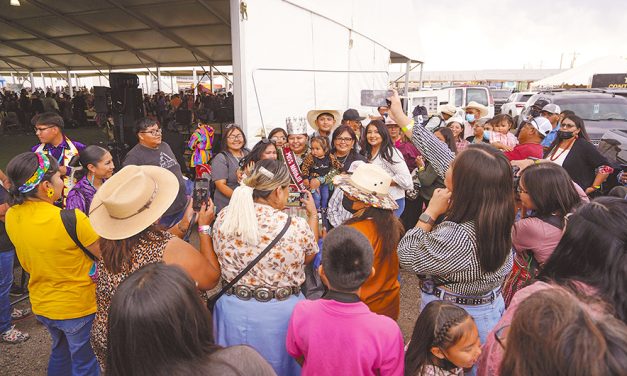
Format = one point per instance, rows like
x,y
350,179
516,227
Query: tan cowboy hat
x,y
131,200
313,115
369,184
483,110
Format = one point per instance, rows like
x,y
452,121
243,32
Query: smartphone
x,y
294,196
200,194
375,98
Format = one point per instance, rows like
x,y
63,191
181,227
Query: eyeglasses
x,y
38,129
344,139
154,132
568,126
501,336
236,137
279,138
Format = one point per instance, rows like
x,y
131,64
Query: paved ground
x,y
31,358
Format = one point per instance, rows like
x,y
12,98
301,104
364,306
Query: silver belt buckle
x,y
243,292
282,293
263,294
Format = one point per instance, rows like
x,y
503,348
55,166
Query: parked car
x,y
459,96
600,110
500,97
516,102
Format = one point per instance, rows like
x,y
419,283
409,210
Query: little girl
x,y
318,169
444,342
500,137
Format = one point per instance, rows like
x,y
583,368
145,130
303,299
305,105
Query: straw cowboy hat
x,y
369,184
313,115
483,110
131,200
448,109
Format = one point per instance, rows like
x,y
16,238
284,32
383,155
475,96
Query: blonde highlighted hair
x,y
240,218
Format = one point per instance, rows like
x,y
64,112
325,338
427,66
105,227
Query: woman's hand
x,y
522,164
314,184
420,162
439,202
207,214
396,112
309,204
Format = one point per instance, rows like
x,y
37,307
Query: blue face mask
x,y
470,118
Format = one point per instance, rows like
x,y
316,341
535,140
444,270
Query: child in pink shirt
x,y
500,137
338,334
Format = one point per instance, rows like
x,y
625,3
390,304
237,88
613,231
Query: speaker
x,y
102,99
123,80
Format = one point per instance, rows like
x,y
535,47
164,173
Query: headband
x,y
38,175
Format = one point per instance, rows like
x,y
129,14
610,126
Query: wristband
x,y
205,229
597,187
408,126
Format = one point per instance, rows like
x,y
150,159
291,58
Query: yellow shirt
x,y
60,287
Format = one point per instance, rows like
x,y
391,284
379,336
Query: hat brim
x,y
483,111
116,229
344,183
313,115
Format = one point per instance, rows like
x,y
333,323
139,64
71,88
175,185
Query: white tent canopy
x,y
288,56
582,75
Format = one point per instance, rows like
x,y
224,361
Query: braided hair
x,y
437,326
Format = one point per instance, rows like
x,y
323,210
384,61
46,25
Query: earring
x,y
50,192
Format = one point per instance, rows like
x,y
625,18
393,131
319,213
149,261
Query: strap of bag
x,y
68,217
254,262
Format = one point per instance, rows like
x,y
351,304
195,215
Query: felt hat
x,y
448,109
131,200
369,184
483,110
312,116
352,114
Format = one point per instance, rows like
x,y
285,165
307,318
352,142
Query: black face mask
x,y
563,135
347,204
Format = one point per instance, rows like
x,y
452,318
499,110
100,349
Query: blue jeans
x,y
321,197
486,315
6,279
71,351
401,207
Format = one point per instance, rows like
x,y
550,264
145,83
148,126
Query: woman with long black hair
x,y
379,149
97,166
465,257
158,325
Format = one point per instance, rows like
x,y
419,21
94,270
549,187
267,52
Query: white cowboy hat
x,y
131,200
483,110
369,184
312,116
448,109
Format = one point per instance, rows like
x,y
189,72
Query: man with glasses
x,y
53,142
152,151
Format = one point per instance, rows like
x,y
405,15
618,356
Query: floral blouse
x,y
283,266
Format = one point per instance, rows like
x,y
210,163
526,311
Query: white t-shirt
x,y
562,156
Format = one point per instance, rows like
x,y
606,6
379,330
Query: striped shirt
x,y
448,252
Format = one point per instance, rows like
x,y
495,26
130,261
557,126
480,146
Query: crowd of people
x,y
515,236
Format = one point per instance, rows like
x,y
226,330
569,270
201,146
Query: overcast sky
x,y
488,34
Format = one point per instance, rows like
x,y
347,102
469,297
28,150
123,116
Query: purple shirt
x,y
338,338
409,152
80,196
57,151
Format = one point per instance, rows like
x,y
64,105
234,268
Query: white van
x,y
459,96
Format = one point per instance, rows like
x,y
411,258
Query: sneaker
x,y
19,314
14,336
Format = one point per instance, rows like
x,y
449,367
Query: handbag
x,y
525,269
413,194
211,303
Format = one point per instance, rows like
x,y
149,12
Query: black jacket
x,y
582,161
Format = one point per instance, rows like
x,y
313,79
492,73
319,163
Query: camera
x,y
200,194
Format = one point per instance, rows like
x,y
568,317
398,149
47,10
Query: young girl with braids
x,y
445,341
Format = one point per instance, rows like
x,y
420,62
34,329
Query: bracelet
x,y
596,187
408,126
205,229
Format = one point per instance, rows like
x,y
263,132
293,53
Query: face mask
x,y
347,204
563,135
470,118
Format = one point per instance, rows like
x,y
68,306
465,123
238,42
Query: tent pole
x,y
172,83
32,81
43,78
69,83
158,78
211,77
421,65
407,69
195,79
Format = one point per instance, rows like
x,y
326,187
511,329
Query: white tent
x,y
582,75
288,56
292,56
